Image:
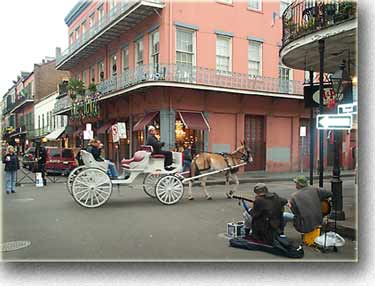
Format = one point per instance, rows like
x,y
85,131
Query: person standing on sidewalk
x,y
11,166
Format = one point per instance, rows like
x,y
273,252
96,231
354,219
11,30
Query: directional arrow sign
x,y
334,121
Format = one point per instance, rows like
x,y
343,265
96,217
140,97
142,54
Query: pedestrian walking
x,y
11,166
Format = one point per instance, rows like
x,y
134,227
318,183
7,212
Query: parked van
x,y
60,160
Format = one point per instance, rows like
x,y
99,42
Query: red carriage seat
x,y
149,148
138,156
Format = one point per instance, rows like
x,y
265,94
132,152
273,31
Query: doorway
x,y
255,140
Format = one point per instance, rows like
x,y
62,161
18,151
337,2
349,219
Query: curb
x,y
344,231
269,179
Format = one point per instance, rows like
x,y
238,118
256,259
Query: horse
x,y
217,161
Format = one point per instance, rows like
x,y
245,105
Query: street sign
x,y
115,135
121,130
88,134
347,108
302,131
334,121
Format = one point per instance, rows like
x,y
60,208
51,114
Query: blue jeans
x,y
287,217
112,171
10,179
187,165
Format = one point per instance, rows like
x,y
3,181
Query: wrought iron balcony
x,y
121,18
20,102
303,17
62,105
199,76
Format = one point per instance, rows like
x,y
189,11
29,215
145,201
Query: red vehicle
x,y
60,160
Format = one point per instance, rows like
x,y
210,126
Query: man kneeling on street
x,y
265,218
306,205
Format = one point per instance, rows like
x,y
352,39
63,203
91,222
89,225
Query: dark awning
x,y
194,120
141,124
103,129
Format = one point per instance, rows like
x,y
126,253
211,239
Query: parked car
x,y
28,158
60,160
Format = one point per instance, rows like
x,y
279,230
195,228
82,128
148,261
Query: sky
x,y
30,31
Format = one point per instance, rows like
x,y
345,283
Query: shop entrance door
x,y
304,145
255,140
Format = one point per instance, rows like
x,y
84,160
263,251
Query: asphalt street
x,y
132,226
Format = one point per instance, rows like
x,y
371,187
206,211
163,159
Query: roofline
x,y
76,11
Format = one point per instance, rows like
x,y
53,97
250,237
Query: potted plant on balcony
x,y
76,87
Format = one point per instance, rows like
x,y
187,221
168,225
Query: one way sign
x,y
334,121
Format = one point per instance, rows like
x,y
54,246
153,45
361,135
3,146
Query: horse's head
x,y
245,153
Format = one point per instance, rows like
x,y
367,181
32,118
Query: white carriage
x,y
91,186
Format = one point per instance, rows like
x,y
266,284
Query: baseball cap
x,y
300,180
260,188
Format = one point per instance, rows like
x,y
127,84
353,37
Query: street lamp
x,y
339,84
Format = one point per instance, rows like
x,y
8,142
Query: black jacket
x,y
95,153
41,152
155,143
11,162
267,214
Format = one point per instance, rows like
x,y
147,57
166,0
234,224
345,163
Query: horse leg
x,y
190,197
228,194
236,181
203,184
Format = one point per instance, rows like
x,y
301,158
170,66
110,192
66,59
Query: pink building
x,y
205,73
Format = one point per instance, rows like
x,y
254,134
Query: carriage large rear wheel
x,y
149,183
71,176
169,190
91,188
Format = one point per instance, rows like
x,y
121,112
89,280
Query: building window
x,y
84,76
114,65
185,47
101,70
71,39
154,50
285,76
43,121
255,58
77,33
255,4
283,5
125,59
39,126
100,14
92,74
83,28
91,20
223,55
139,52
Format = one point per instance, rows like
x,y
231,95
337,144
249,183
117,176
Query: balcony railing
x,y
18,103
62,104
306,16
119,9
42,131
198,76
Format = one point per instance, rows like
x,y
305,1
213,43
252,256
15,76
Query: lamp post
x,y
339,82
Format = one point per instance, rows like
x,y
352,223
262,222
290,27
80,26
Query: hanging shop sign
x,y
115,135
121,126
347,108
85,109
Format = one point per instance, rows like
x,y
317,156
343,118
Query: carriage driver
x,y
157,145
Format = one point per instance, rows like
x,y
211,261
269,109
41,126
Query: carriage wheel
x,y
91,188
71,176
169,190
149,182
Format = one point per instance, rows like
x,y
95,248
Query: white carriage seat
x,y
139,156
89,161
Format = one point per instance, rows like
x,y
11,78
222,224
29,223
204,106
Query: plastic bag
x,y
331,239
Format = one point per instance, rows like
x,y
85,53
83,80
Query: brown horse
x,y
209,162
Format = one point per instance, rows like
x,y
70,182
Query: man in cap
x,y
265,218
306,205
157,145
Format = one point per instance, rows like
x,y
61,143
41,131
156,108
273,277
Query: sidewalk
x,y
346,228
